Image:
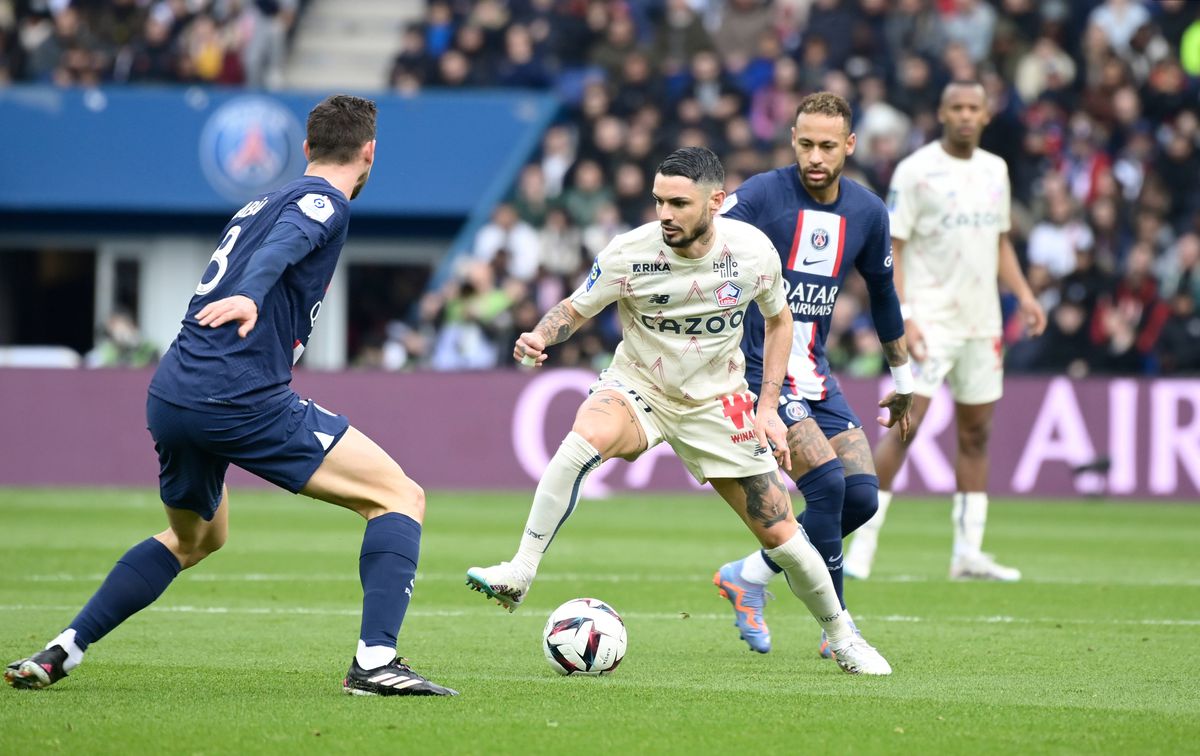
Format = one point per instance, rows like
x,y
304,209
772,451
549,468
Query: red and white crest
x,y
728,294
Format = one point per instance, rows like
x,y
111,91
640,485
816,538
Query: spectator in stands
x,y
517,239
1119,20
530,199
520,66
1179,345
121,345
474,319
742,26
1127,323
587,193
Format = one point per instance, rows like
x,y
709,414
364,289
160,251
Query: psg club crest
x,y
250,145
820,239
728,294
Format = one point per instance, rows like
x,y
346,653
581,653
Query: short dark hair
x,y
966,84
699,164
338,128
826,104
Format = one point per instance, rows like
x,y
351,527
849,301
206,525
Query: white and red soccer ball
x,y
584,636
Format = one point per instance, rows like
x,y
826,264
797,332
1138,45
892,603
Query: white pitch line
x,y
573,577
650,616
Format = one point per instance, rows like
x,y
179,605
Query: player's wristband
x,y
903,378
905,311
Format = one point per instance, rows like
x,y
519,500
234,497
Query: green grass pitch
x,y
1095,652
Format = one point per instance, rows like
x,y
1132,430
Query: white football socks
x,y
373,657
861,553
808,577
755,569
66,639
555,499
969,517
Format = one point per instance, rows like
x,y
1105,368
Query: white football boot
x,y
857,657
981,566
502,582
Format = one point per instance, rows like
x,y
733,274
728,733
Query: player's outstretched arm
x,y
777,345
1010,275
555,327
237,308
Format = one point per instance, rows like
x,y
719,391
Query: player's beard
x,y
362,181
831,175
683,242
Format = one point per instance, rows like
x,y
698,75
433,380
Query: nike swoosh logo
x,y
814,262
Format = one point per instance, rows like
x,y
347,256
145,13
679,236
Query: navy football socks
x,y
387,567
861,502
824,490
135,581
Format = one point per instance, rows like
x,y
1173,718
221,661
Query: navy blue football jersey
x,y
279,250
818,245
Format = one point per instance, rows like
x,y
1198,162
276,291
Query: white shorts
x,y
973,368
713,440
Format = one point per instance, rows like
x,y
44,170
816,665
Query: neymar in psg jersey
x,y
822,224
222,396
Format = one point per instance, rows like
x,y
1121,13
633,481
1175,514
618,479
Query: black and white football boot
x,y
41,670
393,679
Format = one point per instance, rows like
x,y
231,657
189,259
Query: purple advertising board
x,y
497,430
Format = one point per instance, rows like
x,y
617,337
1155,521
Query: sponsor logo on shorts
x,y
742,437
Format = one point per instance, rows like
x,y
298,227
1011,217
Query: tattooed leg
x,y
763,503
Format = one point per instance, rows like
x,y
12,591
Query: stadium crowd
x,y
93,42
1095,108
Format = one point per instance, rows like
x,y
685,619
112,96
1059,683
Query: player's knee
x,y
973,441
405,497
824,487
603,440
861,502
192,552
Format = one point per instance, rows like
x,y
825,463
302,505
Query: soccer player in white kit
x,y
949,206
682,285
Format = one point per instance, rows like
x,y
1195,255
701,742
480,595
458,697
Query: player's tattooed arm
x,y
555,327
767,501
896,352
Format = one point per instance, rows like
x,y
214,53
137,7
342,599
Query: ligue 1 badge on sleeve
x,y
250,145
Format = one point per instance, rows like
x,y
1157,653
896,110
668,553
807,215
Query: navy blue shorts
x,y
284,444
833,413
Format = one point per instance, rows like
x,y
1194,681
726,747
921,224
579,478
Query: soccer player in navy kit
x,y
221,395
822,225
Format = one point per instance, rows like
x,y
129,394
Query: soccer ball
x,y
584,636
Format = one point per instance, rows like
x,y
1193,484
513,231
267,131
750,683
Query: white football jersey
x,y
950,213
681,319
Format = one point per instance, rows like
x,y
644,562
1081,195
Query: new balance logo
x,y
660,298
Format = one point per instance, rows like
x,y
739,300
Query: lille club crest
x,y
728,294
